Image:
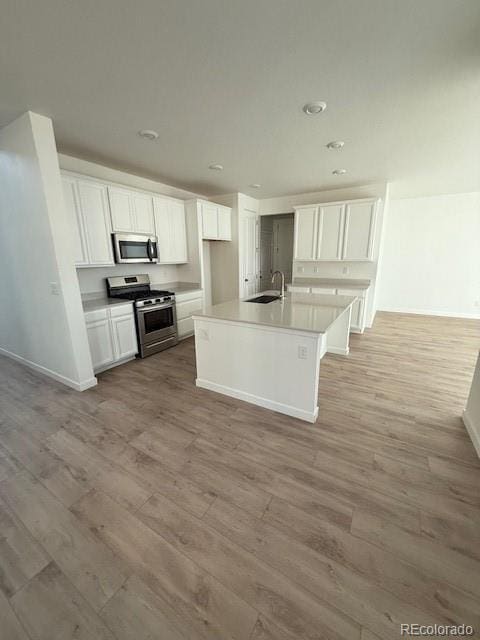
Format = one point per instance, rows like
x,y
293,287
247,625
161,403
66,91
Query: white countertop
x,y
101,302
302,311
340,283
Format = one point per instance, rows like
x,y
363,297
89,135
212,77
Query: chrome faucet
x,y
282,288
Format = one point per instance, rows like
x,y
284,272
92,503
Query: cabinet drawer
x,y
358,293
188,308
190,295
94,316
324,290
184,327
121,310
296,289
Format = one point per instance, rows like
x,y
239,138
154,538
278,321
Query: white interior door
x,y
249,262
283,247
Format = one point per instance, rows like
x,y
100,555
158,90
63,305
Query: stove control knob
x,y
167,298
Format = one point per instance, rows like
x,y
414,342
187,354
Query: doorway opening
x,y
276,248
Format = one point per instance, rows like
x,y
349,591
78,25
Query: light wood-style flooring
x,y
149,509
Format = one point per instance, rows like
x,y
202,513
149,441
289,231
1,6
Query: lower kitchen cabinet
x,y
111,335
187,304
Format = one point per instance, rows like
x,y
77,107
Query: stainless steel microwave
x,y
135,247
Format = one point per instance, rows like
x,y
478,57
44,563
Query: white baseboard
x,y
473,431
432,312
78,386
338,350
261,402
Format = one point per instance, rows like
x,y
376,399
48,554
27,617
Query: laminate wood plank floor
x,y
148,509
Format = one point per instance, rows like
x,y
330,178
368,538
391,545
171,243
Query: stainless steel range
x,y
155,314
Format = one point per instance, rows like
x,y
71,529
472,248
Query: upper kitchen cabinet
x,y
75,218
96,217
86,204
170,230
331,219
335,231
305,233
359,230
216,221
131,211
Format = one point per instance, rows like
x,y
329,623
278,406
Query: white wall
x,y
471,417
431,256
42,330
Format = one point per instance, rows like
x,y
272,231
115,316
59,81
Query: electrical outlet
x,y
302,352
301,269
315,269
345,270
54,289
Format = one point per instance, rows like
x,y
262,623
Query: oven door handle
x,y
153,307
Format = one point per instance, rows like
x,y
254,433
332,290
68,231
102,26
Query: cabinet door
x,y
305,233
96,219
330,232
357,323
100,341
224,224
124,336
176,214
163,230
142,213
75,220
210,221
359,231
121,209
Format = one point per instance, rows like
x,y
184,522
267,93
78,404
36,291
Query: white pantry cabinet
x,y
170,230
216,221
111,335
132,211
335,231
86,204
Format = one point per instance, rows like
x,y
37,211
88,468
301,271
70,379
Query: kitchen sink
x,y
263,299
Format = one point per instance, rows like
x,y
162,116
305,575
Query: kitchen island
x,y
269,354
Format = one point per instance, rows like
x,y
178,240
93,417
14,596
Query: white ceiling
x,y
225,81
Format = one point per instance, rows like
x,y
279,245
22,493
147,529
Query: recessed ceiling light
x,y
216,167
339,172
255,185
149,134
335,144
312,108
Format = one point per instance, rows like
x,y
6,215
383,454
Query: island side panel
x,y
338,335
274,368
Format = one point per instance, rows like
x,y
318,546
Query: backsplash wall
x,y
92,280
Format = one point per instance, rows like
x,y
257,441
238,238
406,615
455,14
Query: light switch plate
x,y
54,289
302,352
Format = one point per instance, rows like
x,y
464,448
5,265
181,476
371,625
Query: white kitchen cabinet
x,y
335,231
359,231
330,232
305,233
170,230
187,304
209,221
100,338
131,211
324,290
124,334
111,335
216,222
75,221
224,223
93,204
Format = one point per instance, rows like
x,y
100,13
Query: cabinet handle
x,y
246,279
